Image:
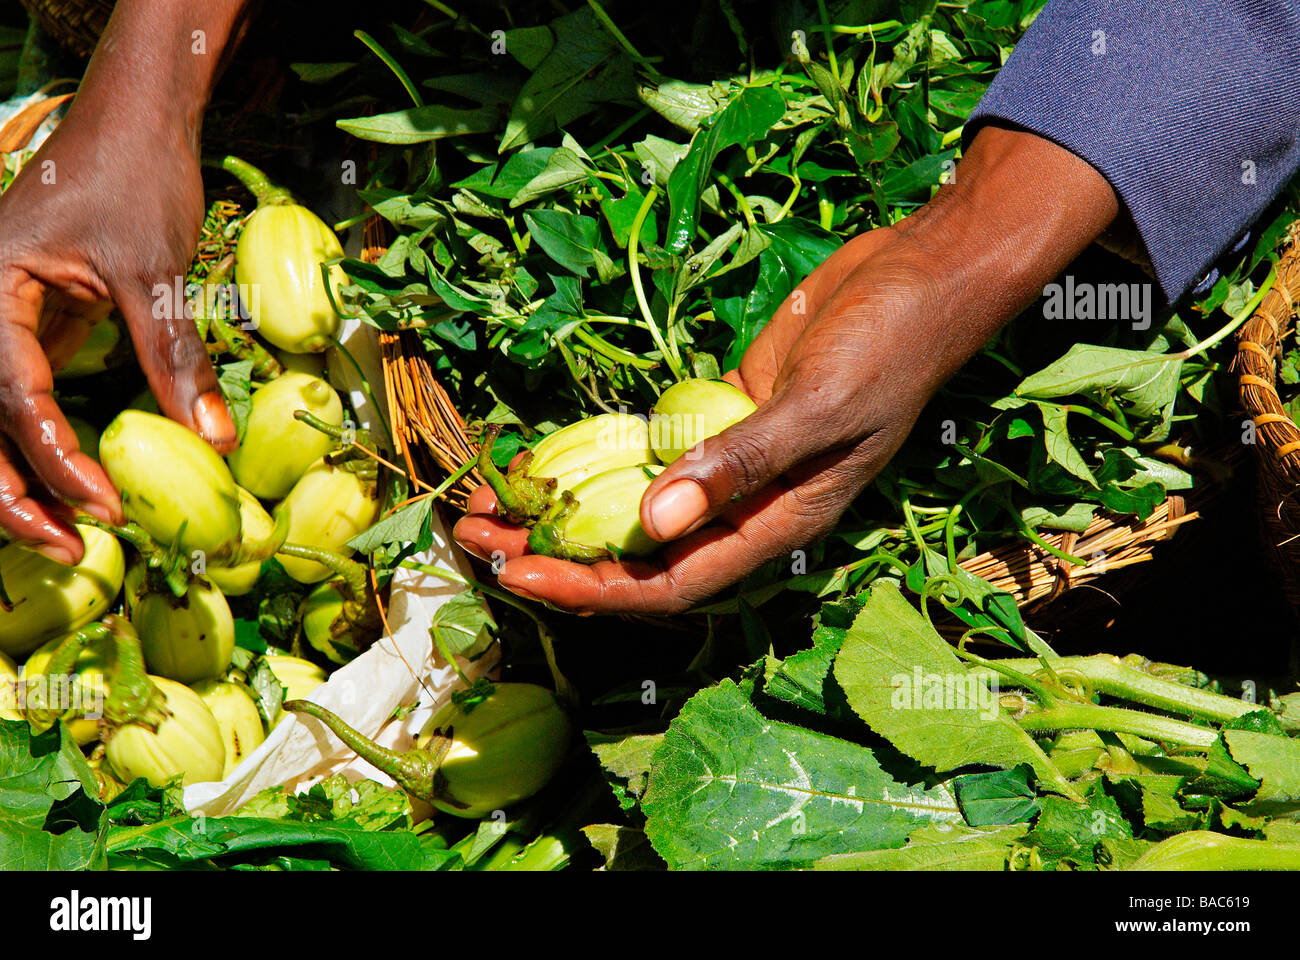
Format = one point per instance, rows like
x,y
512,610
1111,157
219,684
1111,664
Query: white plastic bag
x,y
399,669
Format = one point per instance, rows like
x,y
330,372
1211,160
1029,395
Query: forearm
x,y
167,55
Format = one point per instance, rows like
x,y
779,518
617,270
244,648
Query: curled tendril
x,y
1072,682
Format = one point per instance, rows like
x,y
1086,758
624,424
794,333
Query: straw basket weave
x,y
433,441
75,24
1276,436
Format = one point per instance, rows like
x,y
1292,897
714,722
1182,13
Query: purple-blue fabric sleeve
x,y
1190,109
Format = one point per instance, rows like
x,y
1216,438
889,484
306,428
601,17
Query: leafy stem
x,y
634,268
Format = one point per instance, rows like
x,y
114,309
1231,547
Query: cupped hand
x,y
840,374
106,213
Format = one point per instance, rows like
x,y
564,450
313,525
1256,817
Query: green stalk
x,y
375,48
1089,716
1110,675
257,182
1204,850
611,352
1241,317
1118,429
633,241
829,34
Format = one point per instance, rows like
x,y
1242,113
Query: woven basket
x,y
432,439
1276,438
74,24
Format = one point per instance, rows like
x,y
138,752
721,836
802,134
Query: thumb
x,y
175,361
740,461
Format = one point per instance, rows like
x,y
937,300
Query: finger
x,y
30,417
490,538
483,499
778,520
24,518
176,364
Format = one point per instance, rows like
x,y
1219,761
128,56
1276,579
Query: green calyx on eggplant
x,y
473,757
562,460
599,519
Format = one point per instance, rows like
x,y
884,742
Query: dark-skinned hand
x,y
840,374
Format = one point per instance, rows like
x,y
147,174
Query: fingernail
x,y
474,551
98,511
57,554
676,507
517,591
213,419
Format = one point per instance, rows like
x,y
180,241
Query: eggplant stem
x,y
352,572
257,182
413,770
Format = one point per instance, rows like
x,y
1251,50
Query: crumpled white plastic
x,y
400,669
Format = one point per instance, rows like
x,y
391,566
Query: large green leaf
x,y
567,238
421,124
1273,760
903,679
744,120
936,847
794,249
731,789
582,67
49,817
1147,380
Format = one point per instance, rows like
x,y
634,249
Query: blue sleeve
x,y
1190,109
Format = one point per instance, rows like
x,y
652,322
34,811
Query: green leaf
x,y
1060,449
1147,380
1000,797
49,814
1273,760
567,238
584,67
623,848
1068,833
794,249
939,846
730,789
365,803
1075,518
625,762
563,169
408,524
236,382
804,678
745,119
464,624
913,182
421,124
179,841
903,679
685,105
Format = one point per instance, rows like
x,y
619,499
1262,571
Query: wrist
x,y
168,53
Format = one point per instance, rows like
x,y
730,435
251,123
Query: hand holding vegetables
x,y
89,223
886,320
